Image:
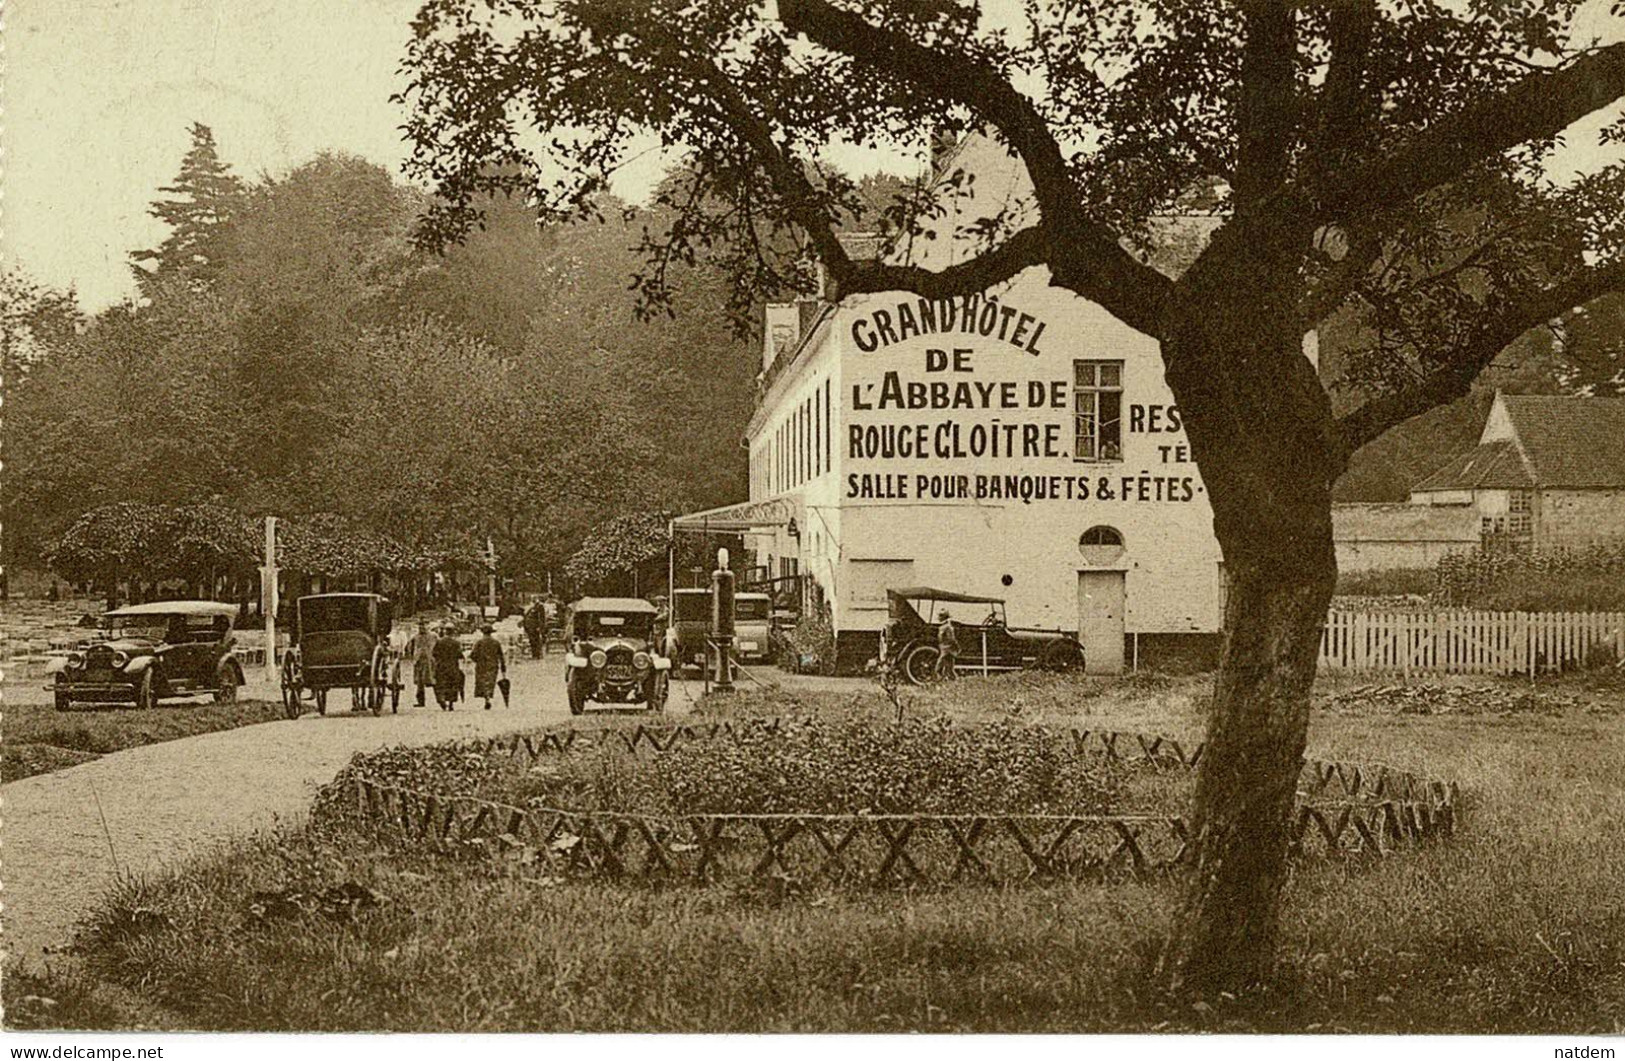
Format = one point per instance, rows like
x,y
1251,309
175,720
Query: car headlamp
x,y
120,658
598,659
640,660
75,661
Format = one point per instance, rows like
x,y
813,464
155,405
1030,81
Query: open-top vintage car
x,y
144,653
341,641
612,655
987,643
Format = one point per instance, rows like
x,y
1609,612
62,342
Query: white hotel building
x,y
1021,445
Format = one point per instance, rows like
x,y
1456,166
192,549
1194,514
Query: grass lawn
x,y
39,738
1517,925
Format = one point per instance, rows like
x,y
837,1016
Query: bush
x,y
1559,580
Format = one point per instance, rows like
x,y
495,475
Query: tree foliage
x,y
198,209
313,363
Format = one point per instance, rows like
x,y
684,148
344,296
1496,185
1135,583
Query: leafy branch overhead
x,y
1380,127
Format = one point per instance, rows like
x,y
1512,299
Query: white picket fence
x,y
1458,641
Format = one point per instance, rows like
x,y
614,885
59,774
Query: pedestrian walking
x,y
488,663
947,646
448,670
535,623
420,650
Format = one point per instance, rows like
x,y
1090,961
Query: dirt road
x,y
163,802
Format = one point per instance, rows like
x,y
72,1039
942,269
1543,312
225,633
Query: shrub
x,y
1590,578
852,765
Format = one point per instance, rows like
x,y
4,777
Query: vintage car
x,y
612,655
987,643
753,626
145,653
341,641
690,626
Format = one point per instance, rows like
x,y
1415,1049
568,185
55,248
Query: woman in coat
x,y
448,671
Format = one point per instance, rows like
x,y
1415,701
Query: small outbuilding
x,y
1548,471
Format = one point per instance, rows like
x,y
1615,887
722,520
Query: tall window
x,y
1097,410
828,428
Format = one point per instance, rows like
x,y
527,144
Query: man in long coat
x,y
488,663
420,650
535,624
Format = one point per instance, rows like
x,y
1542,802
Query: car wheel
x,y
146,691
321,701
63,698
1064,657
920,664
659,688
225,686
577,697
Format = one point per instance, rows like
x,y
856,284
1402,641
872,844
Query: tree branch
x,y
1266,114
1539,106
1023,250
1455,377
1083,256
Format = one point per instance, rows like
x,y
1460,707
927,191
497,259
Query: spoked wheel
x,y
920,664
380,680
290,687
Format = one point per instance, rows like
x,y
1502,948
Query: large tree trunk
x,y
1261,432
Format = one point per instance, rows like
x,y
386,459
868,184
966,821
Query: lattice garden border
x,y
1347,809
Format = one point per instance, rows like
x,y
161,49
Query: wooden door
x,y
1100,620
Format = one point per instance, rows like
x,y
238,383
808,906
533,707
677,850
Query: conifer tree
x,y
198,209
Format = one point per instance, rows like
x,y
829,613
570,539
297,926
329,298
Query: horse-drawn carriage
x,y
341,641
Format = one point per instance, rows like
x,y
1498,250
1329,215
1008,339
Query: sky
x,y
99,94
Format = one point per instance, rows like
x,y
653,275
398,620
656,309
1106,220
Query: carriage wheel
x,y
290,689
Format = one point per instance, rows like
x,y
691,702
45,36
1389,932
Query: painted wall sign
x,y
938,410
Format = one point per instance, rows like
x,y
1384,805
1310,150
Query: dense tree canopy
x,y
295,354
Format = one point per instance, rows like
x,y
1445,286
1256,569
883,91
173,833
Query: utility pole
x,y
268,599
491,576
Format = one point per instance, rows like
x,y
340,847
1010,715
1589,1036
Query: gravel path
x,y
163,802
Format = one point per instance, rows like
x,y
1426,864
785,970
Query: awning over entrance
x,y
743,518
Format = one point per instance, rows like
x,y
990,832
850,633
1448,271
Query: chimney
x,y
781,327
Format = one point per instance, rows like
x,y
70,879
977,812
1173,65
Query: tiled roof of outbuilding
x,y
1487,466
1569,441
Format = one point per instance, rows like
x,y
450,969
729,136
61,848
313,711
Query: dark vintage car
x,y
690,627
753,627
145,653
341,641
612,655
987,643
